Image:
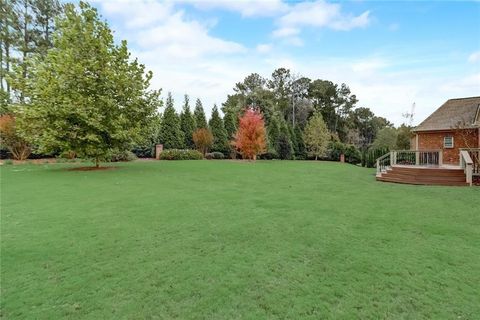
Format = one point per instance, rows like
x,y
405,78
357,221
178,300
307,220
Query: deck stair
x,y
423,175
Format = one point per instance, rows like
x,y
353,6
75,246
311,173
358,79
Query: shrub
x,y
123,156
144,151
334,150
68,155
9,138
8,162
179,154
215,155
352,155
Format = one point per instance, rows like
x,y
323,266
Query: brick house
x,y
453,126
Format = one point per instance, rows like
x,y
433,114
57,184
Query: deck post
x,y
469,173
440,157
417,157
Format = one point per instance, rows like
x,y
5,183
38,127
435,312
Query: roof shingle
x,y
452,113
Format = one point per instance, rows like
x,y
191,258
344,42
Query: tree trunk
x,y
97,163
316,157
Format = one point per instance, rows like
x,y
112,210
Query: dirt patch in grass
x,y
91,168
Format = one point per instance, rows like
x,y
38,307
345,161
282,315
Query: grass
x,y
231,240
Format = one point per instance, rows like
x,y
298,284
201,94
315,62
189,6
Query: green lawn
x,y
235,240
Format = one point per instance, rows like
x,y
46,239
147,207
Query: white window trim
x,y
448,146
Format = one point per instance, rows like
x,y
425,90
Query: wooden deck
x,y
445,175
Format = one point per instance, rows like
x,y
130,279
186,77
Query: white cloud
x,y
319,14
264,48
285,32
186,58
247,8
369,65
474,57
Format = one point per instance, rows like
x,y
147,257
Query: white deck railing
x,y
466,163
475,156
422,158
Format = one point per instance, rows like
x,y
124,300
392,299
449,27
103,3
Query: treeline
x,y
287,103
88,98
26,30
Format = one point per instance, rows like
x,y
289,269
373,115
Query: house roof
x,y
454,112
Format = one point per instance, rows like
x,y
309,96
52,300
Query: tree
x,y
284,143
203,140
10,138
403,137
300,152
187,124
220,142
250,137
386,138
230,123
199,114
171,135
45,12
316,136
273,130
88,95
280,84
324,94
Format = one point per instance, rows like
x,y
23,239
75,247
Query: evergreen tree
x,y
220,142
284,144
230,123
187,124
293,139
171,135
199,114
300,152
273,134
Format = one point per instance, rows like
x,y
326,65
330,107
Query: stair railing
x,y
383,163
475,156
466,163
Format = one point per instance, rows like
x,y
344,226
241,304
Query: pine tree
x,y
199,114
187,124
300,152
273,134
284,144
220,142
171,135
293,138
230,123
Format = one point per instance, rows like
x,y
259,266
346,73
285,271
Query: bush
x,y
179,154
352,155
214,155
144,151
334,150
123,156
8,162
269,155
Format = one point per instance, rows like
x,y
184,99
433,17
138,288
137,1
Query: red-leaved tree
x,y
250,137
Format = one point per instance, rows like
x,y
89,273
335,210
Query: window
x,y
448,142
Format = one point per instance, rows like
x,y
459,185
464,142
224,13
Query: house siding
x,y
433,140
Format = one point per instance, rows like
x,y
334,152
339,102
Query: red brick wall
x,y
461,139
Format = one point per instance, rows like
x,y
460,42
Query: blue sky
x,y
391,54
